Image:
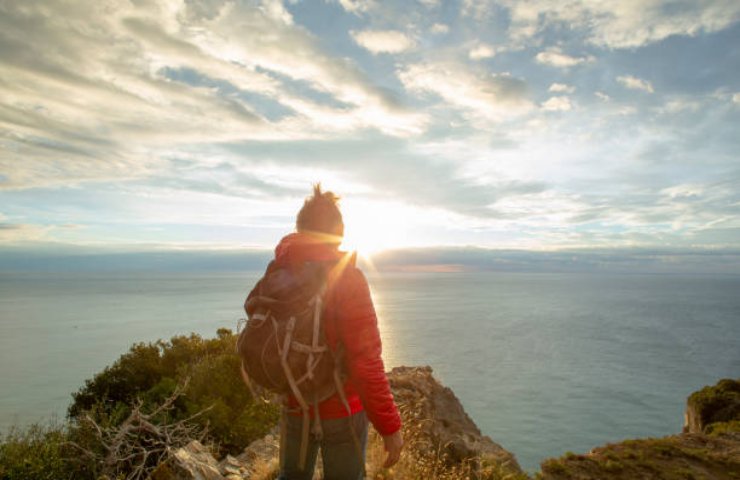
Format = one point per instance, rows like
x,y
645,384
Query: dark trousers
x,y
339,451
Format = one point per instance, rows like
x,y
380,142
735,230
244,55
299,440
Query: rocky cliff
x,y
443,442
709,448
713,408
437,423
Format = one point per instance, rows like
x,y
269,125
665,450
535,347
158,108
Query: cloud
x,y
625,24
492,96
21,233
677,260
185,115
481,52
557,104
478,9
676,105
357,6
129,84
699,206
383,41
634,83
555,57
293,52
561,88
439,29
394,169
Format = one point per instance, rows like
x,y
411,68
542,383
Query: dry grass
x,y
417,465
412,466
263,469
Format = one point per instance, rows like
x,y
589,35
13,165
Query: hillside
x,y
443,442
178,409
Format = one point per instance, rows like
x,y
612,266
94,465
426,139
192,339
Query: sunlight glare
x,y
370,227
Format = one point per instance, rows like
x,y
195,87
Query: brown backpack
x,y
283,346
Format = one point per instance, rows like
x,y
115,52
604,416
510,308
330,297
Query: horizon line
x,y
125,248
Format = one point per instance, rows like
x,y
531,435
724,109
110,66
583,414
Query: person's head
x,y
320,214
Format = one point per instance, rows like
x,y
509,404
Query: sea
x,y
544,363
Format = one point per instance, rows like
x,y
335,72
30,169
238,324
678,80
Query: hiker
x,y
351,333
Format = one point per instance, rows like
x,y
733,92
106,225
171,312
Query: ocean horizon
x,y
544,363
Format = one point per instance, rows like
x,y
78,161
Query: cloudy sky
x,y
502,124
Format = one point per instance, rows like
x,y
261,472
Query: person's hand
x,y
393,445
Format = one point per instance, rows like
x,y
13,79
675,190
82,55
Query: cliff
x,y
708,449
713,409
443,442
437,424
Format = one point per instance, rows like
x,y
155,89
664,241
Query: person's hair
x,y
320,213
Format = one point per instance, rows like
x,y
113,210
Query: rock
x,y
263,449
435,423
432,412
191,462
439,423
713,405
195,462
259,459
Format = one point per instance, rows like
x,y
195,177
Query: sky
x,y
536,125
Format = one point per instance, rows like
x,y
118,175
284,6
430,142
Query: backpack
x,y
283,347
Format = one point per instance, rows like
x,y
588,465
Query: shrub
x,y
135,372
718,403
719,428
142,380
40,452
150,373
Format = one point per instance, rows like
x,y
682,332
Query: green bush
x,y
719,428
41,452
135,372
717,404
150,373
234,419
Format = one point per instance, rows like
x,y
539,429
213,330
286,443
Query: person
x,y
350,325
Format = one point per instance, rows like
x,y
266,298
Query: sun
x,y
370,227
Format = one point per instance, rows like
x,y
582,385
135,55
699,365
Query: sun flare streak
x,y
371,227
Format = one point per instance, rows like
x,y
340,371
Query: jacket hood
x,y
297,248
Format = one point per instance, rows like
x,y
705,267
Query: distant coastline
x,y
71,258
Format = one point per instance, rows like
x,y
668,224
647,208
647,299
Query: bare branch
x,y
142,441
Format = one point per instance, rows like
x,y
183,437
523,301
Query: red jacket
x,y
349,318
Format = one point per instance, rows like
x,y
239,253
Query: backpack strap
x,y
296,391
311,362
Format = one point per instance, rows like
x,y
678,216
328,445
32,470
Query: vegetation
x,y
423,458
38,452
151,372
187,384
678,457
713,454
718,406
721,428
